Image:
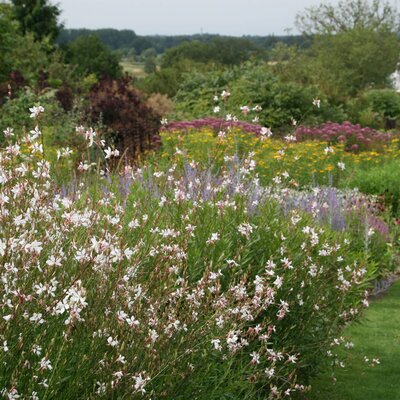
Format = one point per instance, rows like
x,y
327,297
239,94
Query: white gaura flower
x,y
255,358
35,133
36,111
216,344
290,138
9,132
53,261
265,133
45,364
64,152
245,229
225,94
90,134
245,110
37,148
316,103
34,247
2,247
112,342
140,383
213,238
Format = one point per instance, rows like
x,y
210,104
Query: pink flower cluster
x,y
353,136
215,124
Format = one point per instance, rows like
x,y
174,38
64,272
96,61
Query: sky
x,y
174,17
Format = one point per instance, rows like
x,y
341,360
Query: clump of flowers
x,y
185,277
354,137
215,124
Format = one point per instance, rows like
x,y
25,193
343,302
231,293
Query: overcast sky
x,y
173,17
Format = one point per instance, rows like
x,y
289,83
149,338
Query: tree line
x,y
127,39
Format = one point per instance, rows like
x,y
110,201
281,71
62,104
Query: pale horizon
x,y
186,17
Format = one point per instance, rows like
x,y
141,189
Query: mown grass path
x,y
378,335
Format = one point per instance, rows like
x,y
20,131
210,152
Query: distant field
x,y
134,68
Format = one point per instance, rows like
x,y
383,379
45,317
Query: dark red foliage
x,y
9,89
17,81
4,92
65,97
42,81
133,126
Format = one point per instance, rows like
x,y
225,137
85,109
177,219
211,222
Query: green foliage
x,y
113,38
91,56
344,64
30,57
87,82
280,101
383,181
354,60
8,39
253,84
167,80
14,113
378,108
224,51
150,65
197,88
38,17
385,102
60,72
354,47
20,53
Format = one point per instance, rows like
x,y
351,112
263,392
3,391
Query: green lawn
x,y
378,335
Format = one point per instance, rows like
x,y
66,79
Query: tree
x,y
38,17
354,46
149,58
91,56
354,60
8,39
224,50
348,15
19,54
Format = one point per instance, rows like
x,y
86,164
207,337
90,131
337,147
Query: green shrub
x,y
381,180
386,103
90,56
251,85
378,108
